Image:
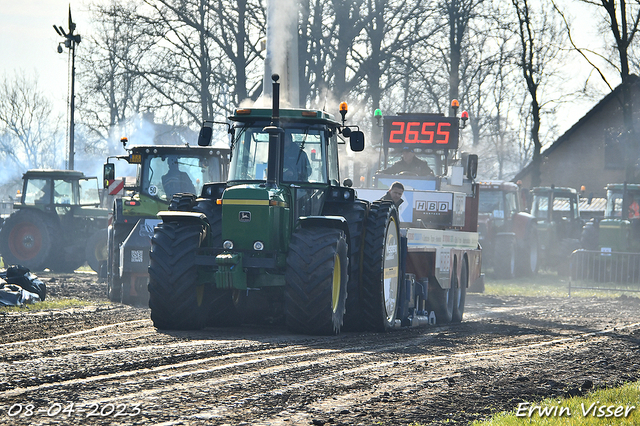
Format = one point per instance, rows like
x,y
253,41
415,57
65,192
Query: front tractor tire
x,y
29,238
316,281
381,268
176,299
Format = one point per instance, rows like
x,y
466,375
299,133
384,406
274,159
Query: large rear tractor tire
x,y
96,252
356,216
176,299
183,202
381,268
460,296
504,258
316,281
29,238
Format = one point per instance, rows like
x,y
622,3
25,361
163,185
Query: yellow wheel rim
x,y
335,297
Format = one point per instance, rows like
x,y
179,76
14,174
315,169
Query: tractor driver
x,y
409,164
175,180
296,166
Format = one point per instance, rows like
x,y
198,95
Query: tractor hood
x,y
253,214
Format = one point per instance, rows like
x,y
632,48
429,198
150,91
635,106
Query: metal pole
x,y
72,106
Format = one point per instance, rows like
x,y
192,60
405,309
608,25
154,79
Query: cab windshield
x,y
166,175
302,160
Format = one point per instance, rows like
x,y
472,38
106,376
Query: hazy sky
x,y
29,43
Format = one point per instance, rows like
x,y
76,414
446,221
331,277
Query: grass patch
x,y
618,406
544,283
49,304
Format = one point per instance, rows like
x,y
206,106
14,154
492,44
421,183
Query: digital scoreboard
x,y
425,131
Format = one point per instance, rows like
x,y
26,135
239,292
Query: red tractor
x,y
508,234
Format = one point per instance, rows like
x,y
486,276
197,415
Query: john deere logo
x,y
244,217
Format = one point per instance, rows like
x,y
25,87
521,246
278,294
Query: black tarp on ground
x,y
19,286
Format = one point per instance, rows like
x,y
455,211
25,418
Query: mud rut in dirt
x,y
110,362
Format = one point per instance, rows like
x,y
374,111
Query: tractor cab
x,y
59,190
620,228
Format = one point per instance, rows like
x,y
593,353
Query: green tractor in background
x,y
281,239
161,172
559,225
619,231
57,224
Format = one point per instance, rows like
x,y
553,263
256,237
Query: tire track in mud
x,y
238,372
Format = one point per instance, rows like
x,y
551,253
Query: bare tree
x,y
30,134
539,39
113,96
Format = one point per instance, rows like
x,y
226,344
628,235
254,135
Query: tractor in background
x,y
613,242
161,172
58,223
559,225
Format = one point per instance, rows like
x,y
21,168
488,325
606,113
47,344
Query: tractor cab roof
x,y
300,115
499,185
557,190
53,174
161,149
619,187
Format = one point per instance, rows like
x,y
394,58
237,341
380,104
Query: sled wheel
x,y
176,299
460,292
316,281
442,301
381,267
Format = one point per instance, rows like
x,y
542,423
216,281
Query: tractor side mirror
x,y
356,141
472,166
109,172
204,138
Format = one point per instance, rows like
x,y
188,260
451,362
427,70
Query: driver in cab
x,y
410,164
296,166
175,180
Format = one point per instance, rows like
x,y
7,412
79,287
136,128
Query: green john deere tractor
x,y
162,171
616,237
57,224
282,239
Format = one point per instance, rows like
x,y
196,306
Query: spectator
x,y
409,164
394,194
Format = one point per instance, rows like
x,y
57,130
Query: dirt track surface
x,y
115,368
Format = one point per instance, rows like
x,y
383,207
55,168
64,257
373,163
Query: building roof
x,y
633,79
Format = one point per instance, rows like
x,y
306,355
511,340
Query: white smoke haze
x,y
282,52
